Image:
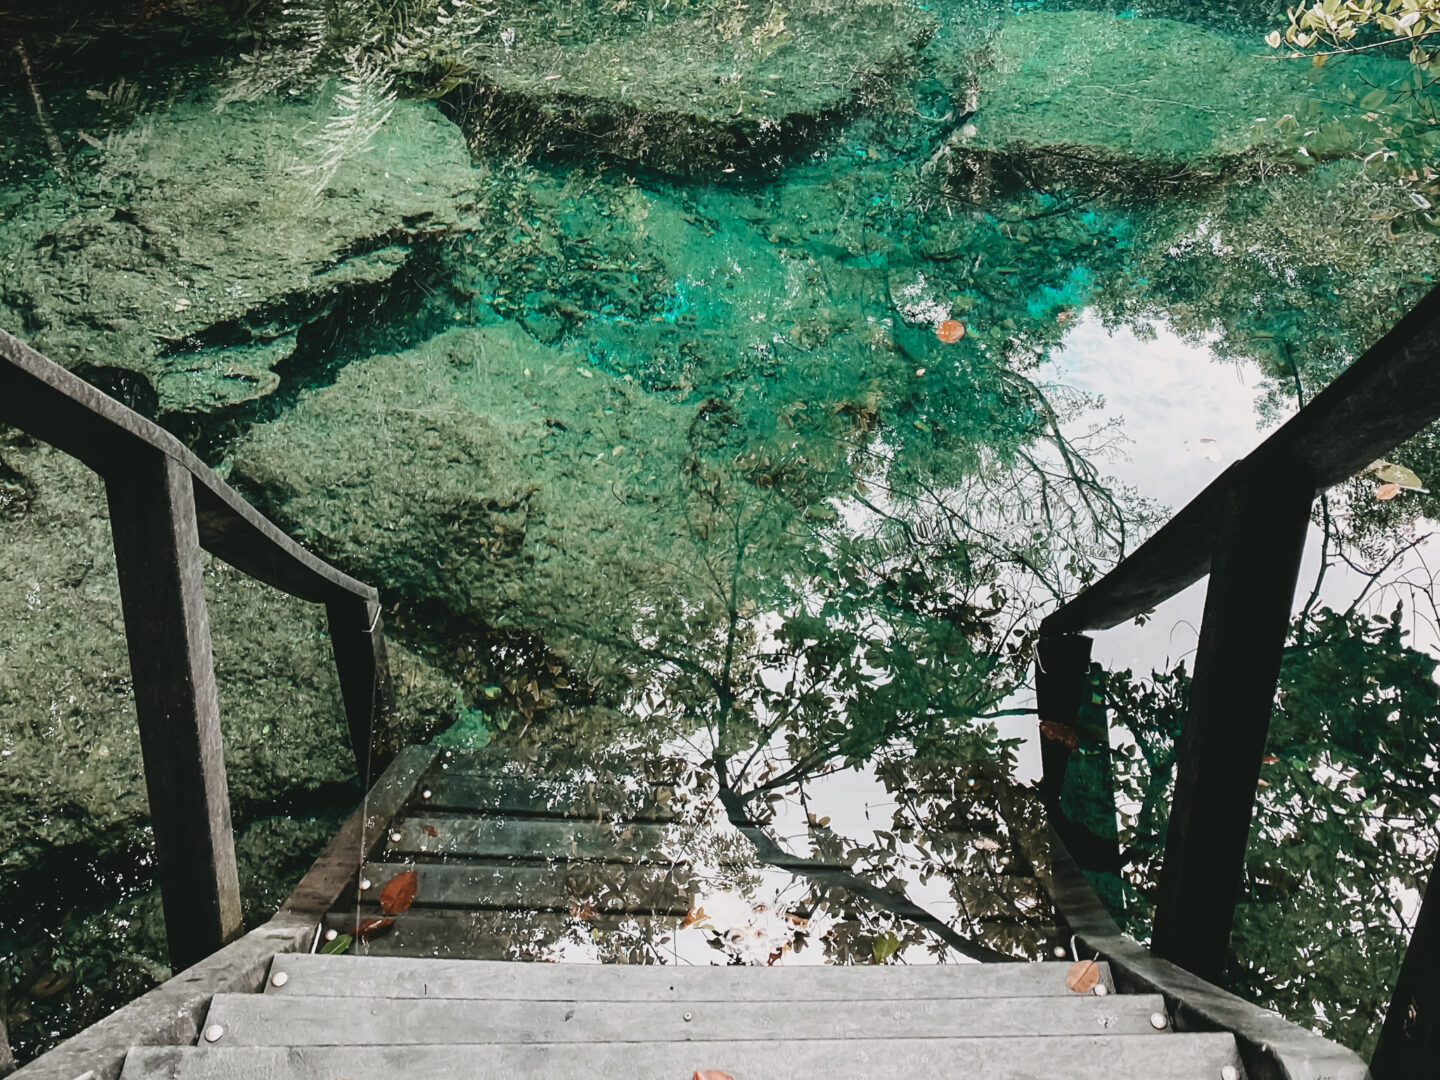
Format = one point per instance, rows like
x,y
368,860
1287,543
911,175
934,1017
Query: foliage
x,y
1345,824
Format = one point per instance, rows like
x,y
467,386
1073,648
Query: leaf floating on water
x,y
1064,734
1386,492
336,945
1387,472
885,946
712,1074
372,927
1082,976
696,914
1269,759
399,893
429,830
950,331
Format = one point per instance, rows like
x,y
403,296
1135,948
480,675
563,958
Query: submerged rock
x,y
689,88
198,257
1100,102
71,776
495,476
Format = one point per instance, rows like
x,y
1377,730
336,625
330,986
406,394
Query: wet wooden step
x,y
1104,1057
600,887
266,1020
535,838
547,797
397,977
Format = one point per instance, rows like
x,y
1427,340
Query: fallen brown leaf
x,y
399,892
1082,976
712,1074
372,927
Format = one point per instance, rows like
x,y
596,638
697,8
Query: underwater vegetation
x,y
678,372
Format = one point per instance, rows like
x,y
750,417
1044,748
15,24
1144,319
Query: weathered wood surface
x,y
517,934
171,1014
42,398
1105,1057
605,888
167,632
331,882
549,797
1260,541
1272,1047
536,838
1409,1047
264,1020
399,977
1377,403
357,638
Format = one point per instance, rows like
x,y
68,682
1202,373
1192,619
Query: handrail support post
x,y
1259,542
167,632
357,635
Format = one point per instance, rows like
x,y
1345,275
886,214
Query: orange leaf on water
x,y
712,1074
950,331
1082,976
1061,733
1386,492
429,830
372,927
1269,759
399,893
696,914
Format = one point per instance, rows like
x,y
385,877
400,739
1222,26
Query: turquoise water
x,y
691,378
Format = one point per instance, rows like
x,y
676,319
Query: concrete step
x,y
1102,1057
401,977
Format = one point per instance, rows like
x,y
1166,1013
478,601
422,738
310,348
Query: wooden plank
x,y
1409,1045
1271,1046
535,838
600,887
566,763
1382,399
339,976
550,797
1242,635
265,1020
170,1014
167,632
331,882
357,637
480,934
42,398
1104,1057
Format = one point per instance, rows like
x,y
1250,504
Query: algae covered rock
x,y
1099,101
71,776
693,87
196,256
484,472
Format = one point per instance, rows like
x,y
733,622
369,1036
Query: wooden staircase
x,y
378,1018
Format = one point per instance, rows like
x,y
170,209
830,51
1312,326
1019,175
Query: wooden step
x,y
535,838
265,1020
600,887
401,977
547,797
1103,1057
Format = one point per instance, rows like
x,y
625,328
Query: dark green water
x,y
686,378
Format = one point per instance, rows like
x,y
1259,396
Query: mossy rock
x,y
1152,106
698,88
71,775
192,258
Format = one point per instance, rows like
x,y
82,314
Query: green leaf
x,y
336,945
885,946
1373,100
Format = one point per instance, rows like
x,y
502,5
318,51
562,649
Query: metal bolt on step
x,y
395,836
331,935
687,1018
213,1033
1229,1072
425,794
364,884
1101,989
280,978
1158,1021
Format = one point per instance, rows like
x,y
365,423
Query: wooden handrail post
x,y
357,635
1409,1046
1259,541
167,631
1062,662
